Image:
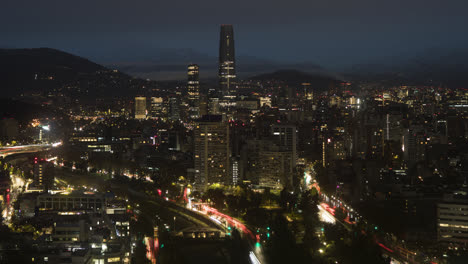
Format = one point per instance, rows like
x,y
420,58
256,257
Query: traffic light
x,y
268,228
375,227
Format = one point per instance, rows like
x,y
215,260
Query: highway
x,y
19,184
171,214
8,151
397,251
165,213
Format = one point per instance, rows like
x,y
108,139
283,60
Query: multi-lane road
x,y
8,151
397,251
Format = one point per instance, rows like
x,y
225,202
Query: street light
x,y
174,223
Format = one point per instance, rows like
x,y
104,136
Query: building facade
x,y
140,107
157,105
452,226
193,91
212,152
227,63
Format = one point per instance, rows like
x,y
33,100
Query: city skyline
x,y
295,132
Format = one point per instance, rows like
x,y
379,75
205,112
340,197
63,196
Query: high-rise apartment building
x,y
140,107
212,152
227,62
43,174
285,137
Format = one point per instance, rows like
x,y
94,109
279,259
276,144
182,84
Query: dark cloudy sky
x,y
329,32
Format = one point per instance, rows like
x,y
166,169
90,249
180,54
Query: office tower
x,y
213,106
156,107
140,107
174,106
211,152
193,84
193,89
227,63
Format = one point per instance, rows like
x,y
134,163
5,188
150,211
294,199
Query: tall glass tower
x,y
227,61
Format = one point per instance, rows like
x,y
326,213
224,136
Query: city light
x,y
204,157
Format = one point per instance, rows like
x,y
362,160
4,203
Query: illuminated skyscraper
x,y
227,61
193,89
193,84
157,107
140,107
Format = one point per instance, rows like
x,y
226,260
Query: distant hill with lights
x,y
49,71
296,78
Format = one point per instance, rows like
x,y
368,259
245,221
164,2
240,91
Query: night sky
x,y
330,33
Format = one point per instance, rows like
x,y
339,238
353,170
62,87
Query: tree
x,y
308,205
282,247
216,196
352,247
287,199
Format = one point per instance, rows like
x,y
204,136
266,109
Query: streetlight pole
x,y
174,223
